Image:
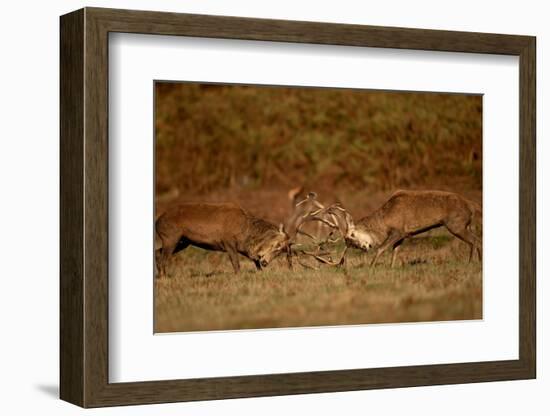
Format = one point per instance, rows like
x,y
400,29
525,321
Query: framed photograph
x,y
255,207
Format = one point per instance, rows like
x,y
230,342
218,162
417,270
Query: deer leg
x,y
461,236
479,252
395,250
343,259
393,238
477,243
378,254
158,256
234,257
462,233
289,257
166,252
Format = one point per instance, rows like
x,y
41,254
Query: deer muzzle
x,y
358,240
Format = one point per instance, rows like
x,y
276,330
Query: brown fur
x,y
220,227
407,213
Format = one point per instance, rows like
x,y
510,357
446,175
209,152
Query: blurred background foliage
x,y
211,137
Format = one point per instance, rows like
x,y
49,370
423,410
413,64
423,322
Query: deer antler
x,y
311,197
348,220
334,222
331,216
324,260
316,215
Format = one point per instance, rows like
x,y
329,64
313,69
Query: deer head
x,y
274,243
353,236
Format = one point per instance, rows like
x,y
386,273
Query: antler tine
x,y
311,213
323,209
314,216
312,196
306,234
318,204
322,259
324,221
347,217
295,221
337,205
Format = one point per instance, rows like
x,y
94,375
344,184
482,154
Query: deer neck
x,y
258,232
373,228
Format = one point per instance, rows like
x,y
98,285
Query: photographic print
x,y
287,219
280,206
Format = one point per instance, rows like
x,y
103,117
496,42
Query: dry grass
x,y
434,283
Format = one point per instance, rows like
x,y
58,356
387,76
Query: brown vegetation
x,y
211,137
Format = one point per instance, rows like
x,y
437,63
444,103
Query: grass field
x,y
433,283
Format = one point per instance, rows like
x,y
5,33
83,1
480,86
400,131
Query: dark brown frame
x,y
84,207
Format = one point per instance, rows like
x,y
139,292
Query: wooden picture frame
x,y
84,207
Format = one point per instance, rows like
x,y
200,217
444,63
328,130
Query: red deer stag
x,y
408,213
220,227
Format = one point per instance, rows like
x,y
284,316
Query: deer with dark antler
x,y
220,227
